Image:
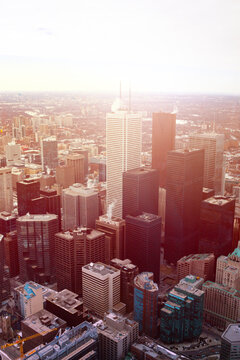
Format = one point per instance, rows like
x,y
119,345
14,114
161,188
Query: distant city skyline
x,y
158,46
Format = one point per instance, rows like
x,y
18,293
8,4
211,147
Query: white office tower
x,y
124,145
13,153
6,192
213,144
80,207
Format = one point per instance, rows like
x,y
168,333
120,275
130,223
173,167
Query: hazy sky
x,y
158,45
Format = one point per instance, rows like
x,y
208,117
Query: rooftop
x,y
6,215
100,268
43,321
66,299
232,333
39,217
28,289
144,281
141,170
197,257
218,200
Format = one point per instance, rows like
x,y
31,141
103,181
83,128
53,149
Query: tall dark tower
x,y
163,140
4,275
183,202
140,191
143,239
53,203
29,199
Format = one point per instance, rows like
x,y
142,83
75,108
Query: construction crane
x,y
21,341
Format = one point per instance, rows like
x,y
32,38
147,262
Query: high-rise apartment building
x,y
201,265
101,287
77,162
228,269
216,225
73,250
115,236
140,191
143,240
116,336
13,153
124,144
221,304
49,153
230,343
36,248
213,145
182,314
163,140
128,272
80,207
4,276
145,303
183,202
6,191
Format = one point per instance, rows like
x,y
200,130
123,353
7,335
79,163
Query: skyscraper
x,y
36,247
124,143
115,236
145,303
49,153
28,196
13,153
6,192
77,162
140,191
230,344
53,203
163,140
213,145
216,225
4,276
101,287
143,240
73,250
183,202
80,207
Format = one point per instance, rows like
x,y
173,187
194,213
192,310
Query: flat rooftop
x,y
140,171
39,217
6,215
218,200
66,299
43,321
197,257
100,268
144,281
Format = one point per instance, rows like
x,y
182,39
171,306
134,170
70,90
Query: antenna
x,y
129,99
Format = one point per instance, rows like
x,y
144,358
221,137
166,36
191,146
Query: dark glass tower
x,y
140,191
183,203
143,239
163,140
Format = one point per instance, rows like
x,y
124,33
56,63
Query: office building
x,y
143,240
6,191
101,288
4,275
43,323
49,153
192,280
80,207
213,145
53,203
140,191
228,269
84,152
230,343
183,202
66,305
128,272
11,253
65,176
216,225
7,222
182,314
116,336
13,153
221,304
80,342
28,298
73,250
36,248
77,162
163,140
115,236
124,145
145,303
201,265
28,190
